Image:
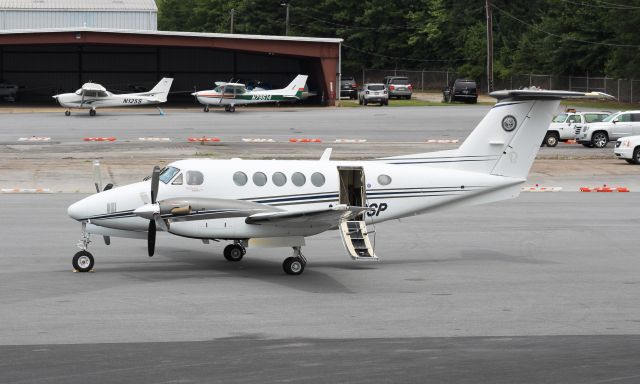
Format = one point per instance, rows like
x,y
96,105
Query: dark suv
x,y
461,90
348,87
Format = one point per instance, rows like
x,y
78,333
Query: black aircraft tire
x,y
82,261
233,252
293,266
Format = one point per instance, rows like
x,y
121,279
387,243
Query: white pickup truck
x,y
563,127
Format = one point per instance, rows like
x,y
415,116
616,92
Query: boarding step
x,y
356,240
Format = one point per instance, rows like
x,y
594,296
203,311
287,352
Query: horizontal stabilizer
x,y
539,94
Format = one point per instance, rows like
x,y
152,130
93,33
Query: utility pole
x,y
233,14
489,45
285,3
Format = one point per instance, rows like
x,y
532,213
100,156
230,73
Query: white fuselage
x,y
74,100
413,189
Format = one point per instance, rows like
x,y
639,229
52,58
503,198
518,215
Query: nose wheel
x,y
82,261
230,108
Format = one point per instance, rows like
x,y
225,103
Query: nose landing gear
x,y
67,113
83,260
92,112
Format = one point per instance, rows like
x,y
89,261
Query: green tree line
x,y
560,37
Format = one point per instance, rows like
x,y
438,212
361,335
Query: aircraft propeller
x,y
151,231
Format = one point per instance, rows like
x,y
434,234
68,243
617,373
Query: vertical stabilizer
x,y
161,90
296,87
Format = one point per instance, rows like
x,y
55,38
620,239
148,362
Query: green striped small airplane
x,y
232,94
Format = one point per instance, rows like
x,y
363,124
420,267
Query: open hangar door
x,y
44,70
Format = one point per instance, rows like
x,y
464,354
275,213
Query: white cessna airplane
x,y
232,94
262,203
92,96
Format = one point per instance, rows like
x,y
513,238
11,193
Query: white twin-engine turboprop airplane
x,y
92,96
231,94
266,203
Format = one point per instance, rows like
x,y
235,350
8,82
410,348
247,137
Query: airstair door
x,y
354,232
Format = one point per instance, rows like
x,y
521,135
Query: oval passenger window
x,y
279,179
317,179
298,179
195,178
259,179
240,178
384,179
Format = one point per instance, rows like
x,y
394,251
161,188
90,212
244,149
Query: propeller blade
x,y
155,180
151,237
97,175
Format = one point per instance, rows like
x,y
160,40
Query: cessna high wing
x,y
278,203
92,96
231,94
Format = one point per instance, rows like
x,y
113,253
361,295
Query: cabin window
x,y
178,180
259,179
168,173
317,179
298,179
384,179
195,178
279,179
240,178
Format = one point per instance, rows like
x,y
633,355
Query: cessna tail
x,y
257,203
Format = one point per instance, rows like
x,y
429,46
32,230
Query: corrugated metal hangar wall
x,y
129,14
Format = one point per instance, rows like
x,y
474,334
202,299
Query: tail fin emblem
x,y
509,123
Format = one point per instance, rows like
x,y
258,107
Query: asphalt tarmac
x,y
543,288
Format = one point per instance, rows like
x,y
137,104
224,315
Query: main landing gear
x,y
92,112
234,252
83,260
206,108
67,113
294,265
230,108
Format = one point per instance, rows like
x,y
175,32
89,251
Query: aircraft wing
x,y
329,217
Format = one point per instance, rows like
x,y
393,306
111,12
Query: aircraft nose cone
x,y
76,210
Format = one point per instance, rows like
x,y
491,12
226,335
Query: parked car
x,y
348,87
398,86
612,127
563,126
461,90
628,148
373,93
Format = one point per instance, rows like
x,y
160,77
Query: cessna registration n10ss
x,y
92,96
256,203
232,94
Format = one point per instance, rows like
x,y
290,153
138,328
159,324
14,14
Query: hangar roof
x,y
172,34
79,5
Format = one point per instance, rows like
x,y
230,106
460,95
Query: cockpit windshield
x,y
168,173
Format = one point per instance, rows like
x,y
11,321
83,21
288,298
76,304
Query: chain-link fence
x,y
625,90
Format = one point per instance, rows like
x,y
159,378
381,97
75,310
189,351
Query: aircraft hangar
x,y
44,62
